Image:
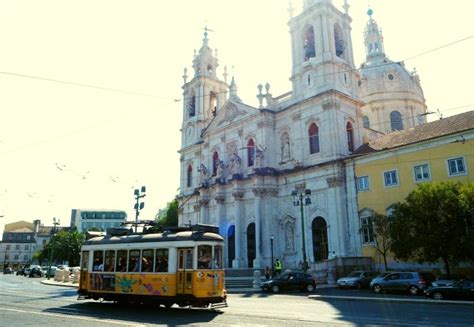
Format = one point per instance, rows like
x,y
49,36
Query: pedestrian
x,y
267,273
278,267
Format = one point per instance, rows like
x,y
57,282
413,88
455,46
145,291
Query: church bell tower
x,y
322,50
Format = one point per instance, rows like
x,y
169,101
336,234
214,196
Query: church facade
x,y
275,178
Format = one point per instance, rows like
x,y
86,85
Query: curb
x,y
54,283
391,299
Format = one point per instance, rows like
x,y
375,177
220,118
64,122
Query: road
x,y
27,302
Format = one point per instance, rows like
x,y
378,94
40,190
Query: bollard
x,y
58,276
77,276
66,278
257,279
331,277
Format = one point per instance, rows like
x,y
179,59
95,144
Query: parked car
x,y
36,272
448,279
356,279
412,282
21,272
50,272
7,271
290,281
462,289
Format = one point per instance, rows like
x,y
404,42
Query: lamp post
x,y
271,248
138,205
298,197
53,233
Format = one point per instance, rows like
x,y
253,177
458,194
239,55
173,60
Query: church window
x,y
215,163
190,176
313,138
359,83
213,103
209,69
192,106
250,153
350,137
366,122
396,121
367,229
339,43
309,48
309,80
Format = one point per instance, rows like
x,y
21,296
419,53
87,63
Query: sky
x,y
91,98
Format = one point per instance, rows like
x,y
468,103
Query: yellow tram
x,y
183,266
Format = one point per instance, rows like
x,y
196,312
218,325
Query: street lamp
x,y
271,247
138,205
53,233
298,197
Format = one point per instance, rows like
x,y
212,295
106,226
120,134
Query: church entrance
x,y
251,250
230,245
320,239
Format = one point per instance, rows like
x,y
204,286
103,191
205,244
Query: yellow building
x,y
388,168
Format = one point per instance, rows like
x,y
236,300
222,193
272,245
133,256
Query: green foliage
x,y
64,246
167,218
435,222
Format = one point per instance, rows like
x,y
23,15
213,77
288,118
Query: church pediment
x,y
230,113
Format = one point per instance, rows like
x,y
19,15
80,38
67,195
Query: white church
x,y
275,179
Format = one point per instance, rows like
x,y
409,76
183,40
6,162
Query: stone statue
x,y
234,164
285,150
290,237
220,176
204,173
259,156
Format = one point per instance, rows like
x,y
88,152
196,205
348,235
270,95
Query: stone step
x,y
241,272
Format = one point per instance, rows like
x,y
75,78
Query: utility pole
x,y
54,230
138,205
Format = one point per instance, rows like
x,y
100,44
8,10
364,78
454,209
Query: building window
x,y
363,183
192,106
396,121
456,166
215,163
309,48
390,178
367,228
17,247
350,137
313,138
27,248
422,173
16,257
8,246
366,121
25,257
7,257
339,43
190,176
250,153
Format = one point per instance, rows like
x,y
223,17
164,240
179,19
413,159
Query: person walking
x,y
278,267
267,273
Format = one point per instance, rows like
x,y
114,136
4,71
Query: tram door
x,y
185,271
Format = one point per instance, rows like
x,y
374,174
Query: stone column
x,y
238,195
259,193
221,221
204,206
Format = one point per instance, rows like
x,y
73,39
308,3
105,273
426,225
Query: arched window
x,y
250,153
339,43
213,103
215,163
396,121
313,138
192,106
366,122
350,137
190,176
309,48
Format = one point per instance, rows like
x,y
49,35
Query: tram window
x,y
121,261
189,259
147,260
218,257
109,260
134,261
204,256
161,260
98,261
85,260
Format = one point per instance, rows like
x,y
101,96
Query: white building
x,y
100,219
241,164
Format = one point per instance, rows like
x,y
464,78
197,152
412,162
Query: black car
x,y
290,281
21,272
7,271
36,272
448,279
463,289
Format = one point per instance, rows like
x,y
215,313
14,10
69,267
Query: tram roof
x,y
156,237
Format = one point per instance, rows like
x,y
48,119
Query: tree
x,y
435,223
167,217
383,241
65,246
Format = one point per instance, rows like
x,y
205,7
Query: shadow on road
x,y
138,313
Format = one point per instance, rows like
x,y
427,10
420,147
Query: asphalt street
x,y
28,302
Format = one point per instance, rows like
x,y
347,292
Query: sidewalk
x,y
52,282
